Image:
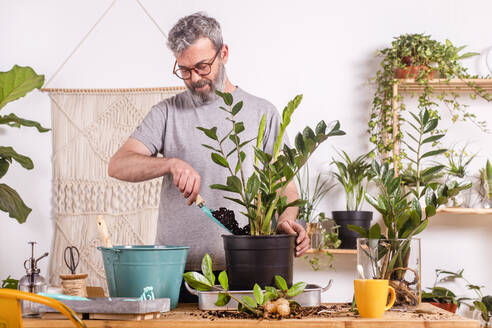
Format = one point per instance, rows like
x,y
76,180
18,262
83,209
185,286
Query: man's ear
x,y
224,53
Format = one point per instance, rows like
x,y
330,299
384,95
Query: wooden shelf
x,y
463,210
443,85
332,251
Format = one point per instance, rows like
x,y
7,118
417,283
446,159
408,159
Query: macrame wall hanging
x,y
88,126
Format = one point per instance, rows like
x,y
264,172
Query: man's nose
x,y
195,77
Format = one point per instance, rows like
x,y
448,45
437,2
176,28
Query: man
x,y
170,129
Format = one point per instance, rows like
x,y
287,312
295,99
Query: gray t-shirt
x,y
170,129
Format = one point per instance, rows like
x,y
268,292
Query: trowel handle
x,y
199,201
103,231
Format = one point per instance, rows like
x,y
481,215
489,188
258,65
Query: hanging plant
x,y
418,57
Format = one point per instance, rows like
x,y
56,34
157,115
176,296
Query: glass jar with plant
x,y
308,212
257,258
405,214
353,175
485,185
457,169
15,84
417,56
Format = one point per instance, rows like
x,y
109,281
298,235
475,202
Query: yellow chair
x,y
10,308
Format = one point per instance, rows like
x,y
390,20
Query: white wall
x,y
323,49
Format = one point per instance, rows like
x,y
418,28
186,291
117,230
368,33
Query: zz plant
x,y
422,51
261,193
265,303
15,84
406,209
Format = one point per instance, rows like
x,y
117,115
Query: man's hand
x,y
186,179
292,227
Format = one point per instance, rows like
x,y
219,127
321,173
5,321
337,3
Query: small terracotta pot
x,y
446,306
411,72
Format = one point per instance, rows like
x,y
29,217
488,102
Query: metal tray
x,y
206,300
120,305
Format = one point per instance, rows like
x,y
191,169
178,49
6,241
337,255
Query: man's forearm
x,y
291,212
134,167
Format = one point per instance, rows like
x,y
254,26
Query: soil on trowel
x,y
227,218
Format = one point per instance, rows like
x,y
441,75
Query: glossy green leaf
x,y
280,283
211,133
224,280
222,299
13,120
9,153
237,107
207,268
12,203
219,160
258,294
249,301
296,289
17,82
197,281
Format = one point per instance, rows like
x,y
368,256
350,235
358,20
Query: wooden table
x,y
188,316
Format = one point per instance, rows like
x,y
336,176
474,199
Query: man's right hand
x,y
186,179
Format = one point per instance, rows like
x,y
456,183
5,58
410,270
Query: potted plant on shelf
x,y
258,257
354,177
417,56
312,198
15,84
395,253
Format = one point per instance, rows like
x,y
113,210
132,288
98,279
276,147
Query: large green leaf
x,y
197,281
207,268
14,121
222,299
11,203
224,280
296,289
9,153
17,82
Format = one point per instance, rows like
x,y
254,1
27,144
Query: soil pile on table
x,y
227,218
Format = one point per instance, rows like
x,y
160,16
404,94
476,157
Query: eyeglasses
x,y
202,69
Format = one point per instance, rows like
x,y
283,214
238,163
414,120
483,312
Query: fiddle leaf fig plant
x,y
261,194
15,84
264,303
427,55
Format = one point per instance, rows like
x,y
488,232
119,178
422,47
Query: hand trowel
x,y
200,202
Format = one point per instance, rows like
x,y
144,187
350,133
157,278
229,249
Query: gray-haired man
x,y
170,129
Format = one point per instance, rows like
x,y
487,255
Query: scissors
x,y
71,256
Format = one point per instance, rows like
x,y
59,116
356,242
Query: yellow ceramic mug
x,y
371,296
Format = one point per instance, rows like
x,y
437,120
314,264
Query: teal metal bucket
x,y
129,269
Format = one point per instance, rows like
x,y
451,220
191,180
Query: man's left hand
x,y
292,227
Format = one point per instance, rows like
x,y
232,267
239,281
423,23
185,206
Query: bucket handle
x,y
328,286
191,290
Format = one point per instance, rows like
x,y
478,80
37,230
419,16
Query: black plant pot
x,y
358,218
257,259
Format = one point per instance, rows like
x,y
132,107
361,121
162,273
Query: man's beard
x,y
205,97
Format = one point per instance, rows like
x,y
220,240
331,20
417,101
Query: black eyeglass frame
x,y
194,68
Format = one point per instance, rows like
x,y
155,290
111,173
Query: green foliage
x,y
486,181
307,212
402,212
203,282
15,84
352,175
10,283
261,193
418,50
